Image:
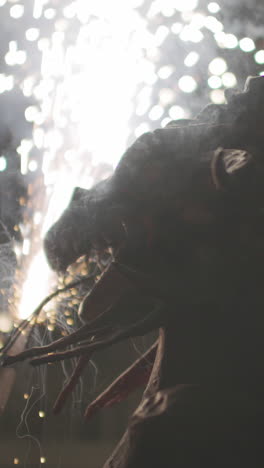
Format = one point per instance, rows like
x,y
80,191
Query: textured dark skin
x,y
184,213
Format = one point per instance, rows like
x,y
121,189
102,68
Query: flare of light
x,y
165,71
217,66
247,45
87,84
229,80
3,163
177,112
213,7
6,83
187,84
32,34
16,11
226,41
217,96
188,34
214,82
142,128
213,24
35,286
156,112
259,56
186,5
191,59
166,96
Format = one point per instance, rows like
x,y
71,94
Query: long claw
x,y
136,329
72,382
135,376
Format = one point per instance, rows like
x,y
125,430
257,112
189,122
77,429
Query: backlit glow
x,y
217,66
32,34
247,45
213,7
214,82
217,96
176,113
3,163
6,323
259,56
17,11
36,284
191,59
229,80
187,84
165,72
186,5
96,100
156,112
213,24
226,41
188,34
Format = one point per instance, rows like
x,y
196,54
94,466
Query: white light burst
x,y
87,85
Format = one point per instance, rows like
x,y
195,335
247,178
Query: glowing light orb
x,y
32,165
186,5
214,82
217,66
16,11
50,13
156,112
226,41
176,113
191,59
31,113
217,96
165,71
213,24
161,34
167,11
229,80
187,84
6,323
3,163
32,34
166,96
176,28
259,56
165,122
6,83
213,7
191,35
247,45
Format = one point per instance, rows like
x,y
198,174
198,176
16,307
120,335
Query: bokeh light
x,y
217,66
247,44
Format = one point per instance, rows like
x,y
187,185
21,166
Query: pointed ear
x,y
79,193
